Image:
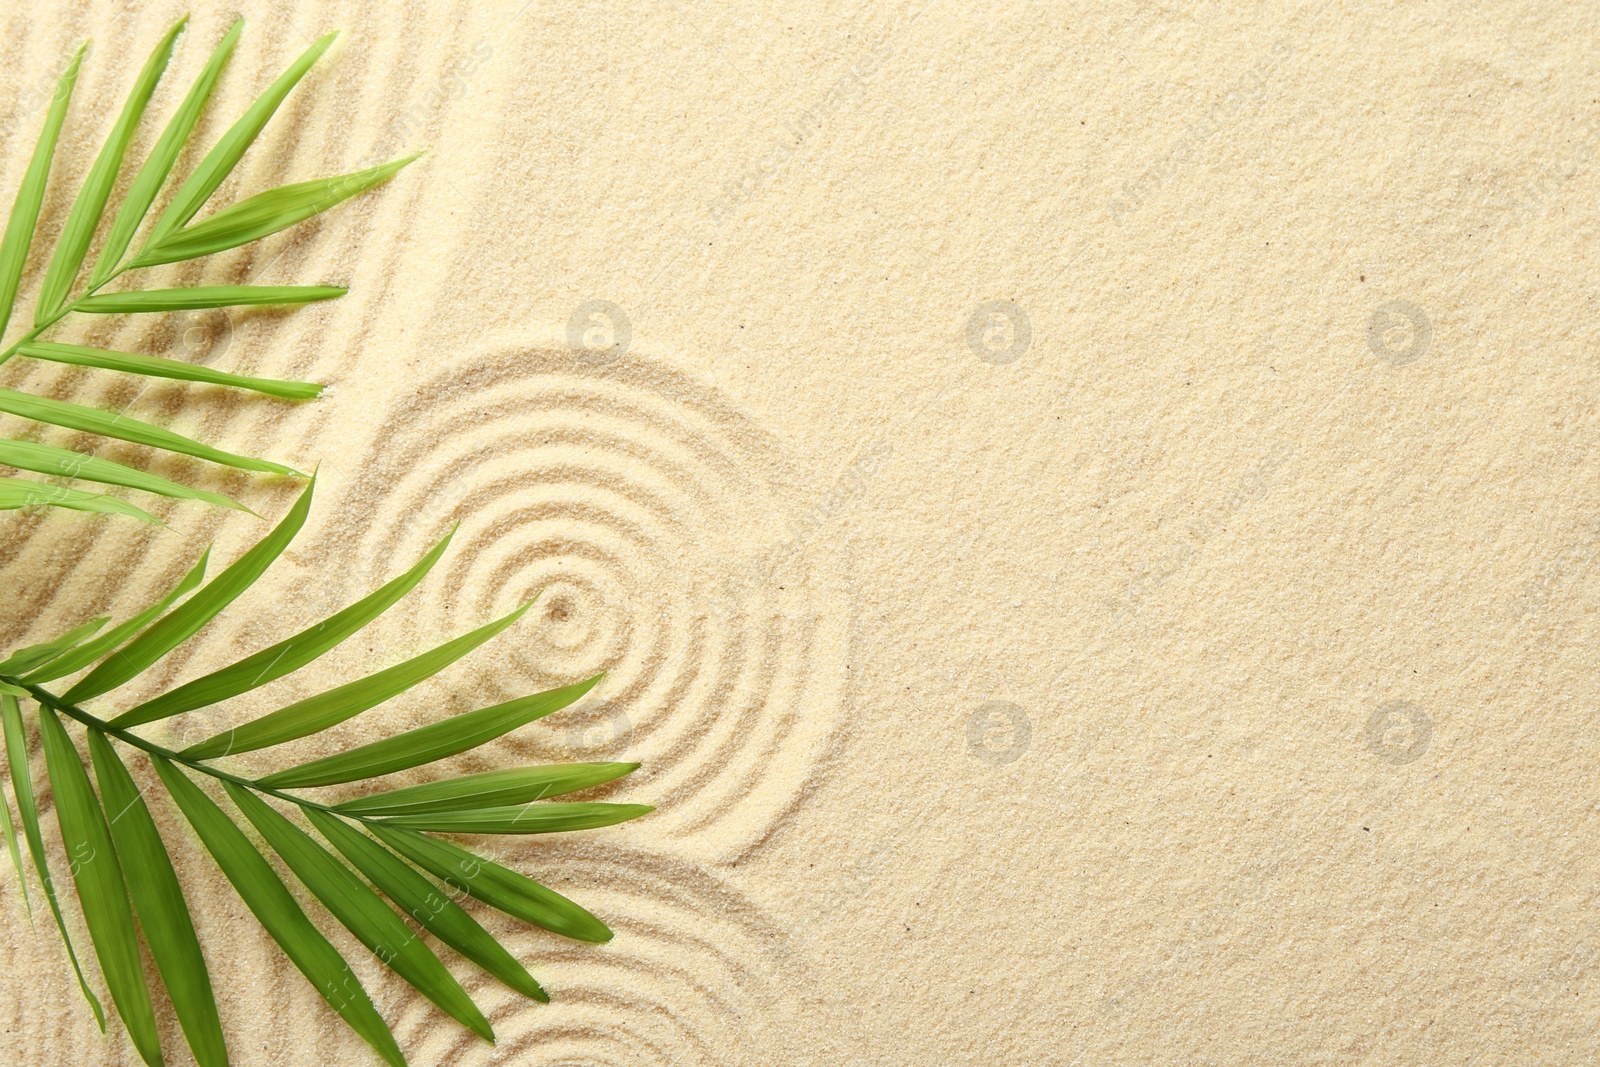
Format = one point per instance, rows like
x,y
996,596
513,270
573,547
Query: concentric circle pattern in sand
x,y
649,518
696,975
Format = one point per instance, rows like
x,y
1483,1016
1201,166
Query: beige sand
x,y
1201,673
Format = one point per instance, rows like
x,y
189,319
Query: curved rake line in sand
x,y
629,494
701,974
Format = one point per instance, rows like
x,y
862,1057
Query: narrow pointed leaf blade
x,y
285,657
30,194
48,459
222,158
90,651
20,493
101,892
262,892
523,818
425,744
361,911
26,659
10,830
28,815
490,789
182,622
16,854
151,176
143,301
124,428
420,899
96,190
265,214
158,901
317,713
515,894
158,367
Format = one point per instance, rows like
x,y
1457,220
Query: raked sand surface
x,y
1089,512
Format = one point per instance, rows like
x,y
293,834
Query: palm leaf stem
x,y
65,310
50,700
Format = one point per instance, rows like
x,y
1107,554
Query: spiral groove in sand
x,y
644,513
696,975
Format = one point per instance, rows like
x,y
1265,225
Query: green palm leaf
x,y
265,214
220,161
157,367
144,301
258,886
522,818
159,164
420,899
10,830
48,459
500,887
285,657
101,891
361,911
158,899
10,845
30,194
428,743
315,714
28,815
26,659
123,428
183,622
489,789
90,651
91,201
20,493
